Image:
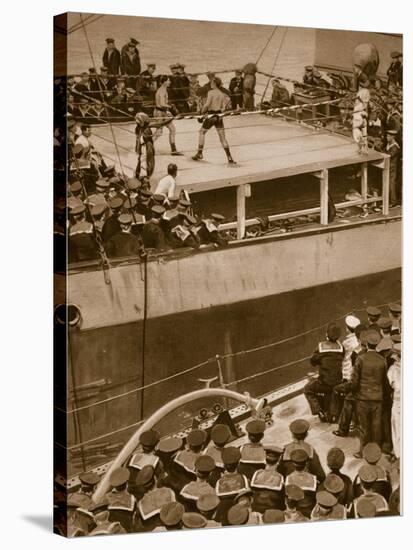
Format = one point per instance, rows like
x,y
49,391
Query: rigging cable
x,y
275,62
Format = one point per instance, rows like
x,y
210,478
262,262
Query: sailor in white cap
x,y
350,343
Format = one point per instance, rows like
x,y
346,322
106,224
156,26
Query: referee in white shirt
x,y
167,185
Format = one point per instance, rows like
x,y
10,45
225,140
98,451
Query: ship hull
x,y
287,290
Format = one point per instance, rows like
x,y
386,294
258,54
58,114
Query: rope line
x,y
268,371
266,45
224,356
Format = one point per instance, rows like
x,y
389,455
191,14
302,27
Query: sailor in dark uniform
x,y
335,461
152,500
111,58
303,479
121,504
324,508
372,454
268,485
167,449
105,85
368,475
235,87
82,498
145,455
83,87
253,456
124,243
153,235
395,70
334,485
220,436
393,150
294,496
308,77
103,525
191,492
185,459
82,243
148,83
111,225
183,89
207,506
184,234
328,357
299,430
395,314
209,230
171,517
373,315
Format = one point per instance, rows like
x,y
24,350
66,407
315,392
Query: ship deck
x,y
265,148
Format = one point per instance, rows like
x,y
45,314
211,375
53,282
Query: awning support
x,y
322,175
364,182
241,194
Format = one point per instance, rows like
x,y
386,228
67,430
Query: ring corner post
x,y
385,185
241,194
323,177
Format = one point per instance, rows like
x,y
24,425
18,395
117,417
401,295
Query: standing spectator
x,y
368,382
395,70
394,375
194,87
111,58
83,88
131,64
393,149
248,88
147,83
183,89
134,43
235,87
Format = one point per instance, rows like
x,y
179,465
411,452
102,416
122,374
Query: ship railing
x,y
298,213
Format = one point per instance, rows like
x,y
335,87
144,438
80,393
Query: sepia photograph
x,y
227,257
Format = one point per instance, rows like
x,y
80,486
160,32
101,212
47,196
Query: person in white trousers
x,y
394,375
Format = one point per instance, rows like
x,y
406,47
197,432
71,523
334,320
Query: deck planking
x,y
264,147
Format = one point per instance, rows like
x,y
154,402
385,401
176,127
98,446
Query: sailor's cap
x,y
193,520
150,438
335,458
218,217
190,219
371,453
170,445
174,66
373,311
129,203
293,492
196,437
102,183
333,484
158,209
299,456
130,90
103,69
373,337
207,503
220,434
171,513
352,321
79,209
115,202
273,516
145,476
158,198
75,187
205,464
395,308
392,132
326,499
384,322
309,68
255,427
299,426
133,42
238,515
114,180
184,202
146,193
151,65
368,473
396,338
98,209
133,183
397,348
110,40
231,455
119,477
273,449
396,54
174,198
89,478
125,219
